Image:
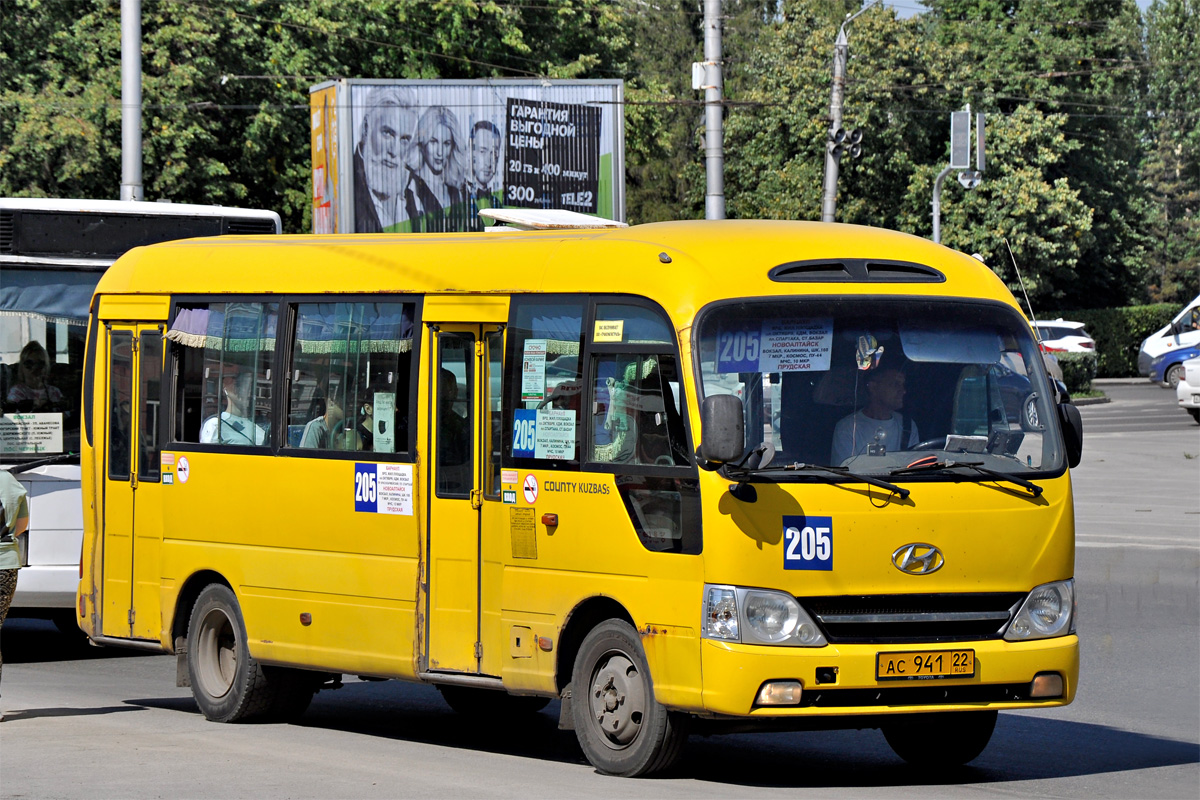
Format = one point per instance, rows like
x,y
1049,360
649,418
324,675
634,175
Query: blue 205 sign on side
x,y
808,543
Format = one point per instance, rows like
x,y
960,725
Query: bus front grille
x,y
911,618
924,695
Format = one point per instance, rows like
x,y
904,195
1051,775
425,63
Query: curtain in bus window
x,y
227,351
54,295
350,377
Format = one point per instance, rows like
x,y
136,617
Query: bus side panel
x,y
284,534
593,552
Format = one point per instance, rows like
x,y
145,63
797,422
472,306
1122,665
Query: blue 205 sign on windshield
x,y
808,543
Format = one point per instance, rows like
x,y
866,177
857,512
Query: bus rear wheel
x,y
622,729
227,683
943,739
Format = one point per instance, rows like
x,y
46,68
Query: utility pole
x,y
131,99
714,124
837,142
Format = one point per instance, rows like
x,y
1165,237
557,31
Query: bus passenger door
x,y
132,505
455,494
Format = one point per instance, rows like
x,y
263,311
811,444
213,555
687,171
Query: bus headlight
x,y
1046,612
757,616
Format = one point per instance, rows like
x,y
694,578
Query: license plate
x,y
924,665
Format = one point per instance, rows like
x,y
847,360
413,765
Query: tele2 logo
x,y
808,543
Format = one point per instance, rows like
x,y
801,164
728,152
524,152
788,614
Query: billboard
x,y
426,156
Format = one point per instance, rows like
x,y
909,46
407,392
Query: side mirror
x,y
1072,428
723,428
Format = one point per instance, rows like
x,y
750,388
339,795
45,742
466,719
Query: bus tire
x,y
489,705
944,739
228,685
622,729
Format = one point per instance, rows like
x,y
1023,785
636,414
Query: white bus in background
x,y
52,253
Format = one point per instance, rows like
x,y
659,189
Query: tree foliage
x,y
1093,133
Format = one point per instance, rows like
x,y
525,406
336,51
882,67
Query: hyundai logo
x,y
918,559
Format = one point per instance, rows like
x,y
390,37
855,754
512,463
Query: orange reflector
x,y
306,618
1047,684
779,693
546,643
550,520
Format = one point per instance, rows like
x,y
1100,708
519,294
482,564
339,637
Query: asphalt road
x,y
85,722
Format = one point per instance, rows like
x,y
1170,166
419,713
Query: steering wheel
x,y
931,444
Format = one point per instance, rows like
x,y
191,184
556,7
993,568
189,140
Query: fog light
x,y
1046,684
779,693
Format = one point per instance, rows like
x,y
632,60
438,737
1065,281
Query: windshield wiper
x,y
977,466
738,472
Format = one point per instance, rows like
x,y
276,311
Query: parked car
x,y
1167,369
1064,336
1188,390
1182,332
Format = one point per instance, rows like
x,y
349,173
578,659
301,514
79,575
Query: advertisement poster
x,y
426,156
533,371
323,116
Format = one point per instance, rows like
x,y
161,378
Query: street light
x,y
836,146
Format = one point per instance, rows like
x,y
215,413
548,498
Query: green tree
x,y
1079,62
225,84
1171,169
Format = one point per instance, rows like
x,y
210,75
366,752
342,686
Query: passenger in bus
x,y
381,159
31,392
435,198
878,427
454,433
324,433
235,425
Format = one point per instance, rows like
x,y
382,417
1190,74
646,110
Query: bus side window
x,y
350,377
637,428
545,379
225,353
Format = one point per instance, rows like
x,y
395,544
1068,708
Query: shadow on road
x,y
1023,748
34,713
33,641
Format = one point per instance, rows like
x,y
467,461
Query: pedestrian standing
x,y
14,521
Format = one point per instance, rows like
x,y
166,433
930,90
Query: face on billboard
x,y
389,136
438,148
484,151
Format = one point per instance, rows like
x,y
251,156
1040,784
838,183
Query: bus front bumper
x,y
1003,678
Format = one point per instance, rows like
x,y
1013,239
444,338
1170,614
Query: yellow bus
x,y
682,477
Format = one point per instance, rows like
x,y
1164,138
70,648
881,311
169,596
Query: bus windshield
x,y
885,386
43,328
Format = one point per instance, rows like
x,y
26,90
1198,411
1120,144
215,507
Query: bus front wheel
x,y
227,683
622,729
941,739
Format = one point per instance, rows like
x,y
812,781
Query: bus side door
x,y
455,497
132,504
